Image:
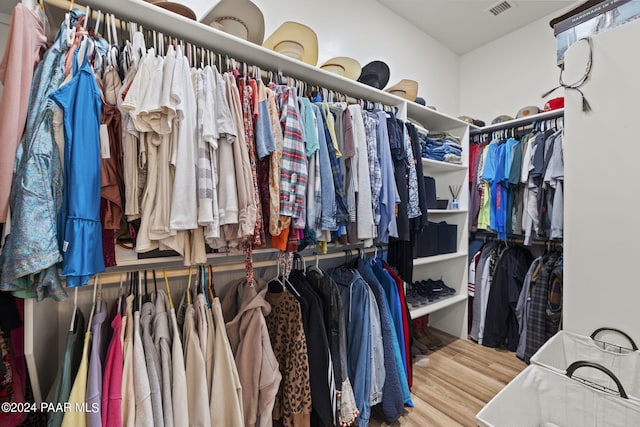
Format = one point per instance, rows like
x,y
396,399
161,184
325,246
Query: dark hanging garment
x,y
317,348
421,221
501,324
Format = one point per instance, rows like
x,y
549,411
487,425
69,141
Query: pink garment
x,y
112,381
26,36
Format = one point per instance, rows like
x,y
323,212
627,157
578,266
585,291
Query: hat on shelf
x,y
241,18
554,104
407,89
472,121
500,119
174,7
420,100
344,66
527,111
294,40
375,74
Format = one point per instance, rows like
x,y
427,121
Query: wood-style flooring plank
x,y
461,378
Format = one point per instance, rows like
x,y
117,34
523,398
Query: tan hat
x,y
407,89
296,41
241,18
344,66
174,7
527,111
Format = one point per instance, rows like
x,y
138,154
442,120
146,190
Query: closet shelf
x,y
435,166
522,121
446,211
438,258
155,18
436,306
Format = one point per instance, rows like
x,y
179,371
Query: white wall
x,y
601,181
366,30
510,73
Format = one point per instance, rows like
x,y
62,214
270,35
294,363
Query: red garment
x,y
12,383
474,149
405,322
112,382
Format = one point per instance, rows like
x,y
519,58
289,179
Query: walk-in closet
x,y
263,213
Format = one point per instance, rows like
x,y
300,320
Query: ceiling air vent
x,y
499,8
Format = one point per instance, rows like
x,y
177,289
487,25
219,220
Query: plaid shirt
x,y
293,166
537,333
375,173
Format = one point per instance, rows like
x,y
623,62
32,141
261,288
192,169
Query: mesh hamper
x,y
539,397
565,348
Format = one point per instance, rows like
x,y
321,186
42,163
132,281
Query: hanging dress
x,y
31,252
79,229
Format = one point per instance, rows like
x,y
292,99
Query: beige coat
x,y
244,309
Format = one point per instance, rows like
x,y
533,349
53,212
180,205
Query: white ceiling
x,y
463,25
460,25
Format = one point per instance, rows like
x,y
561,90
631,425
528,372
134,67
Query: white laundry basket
x,y
564,348
539,397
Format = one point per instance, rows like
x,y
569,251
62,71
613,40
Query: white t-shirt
x,y
184,204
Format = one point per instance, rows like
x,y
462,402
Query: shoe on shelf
x,y
414,297
441,283
432,290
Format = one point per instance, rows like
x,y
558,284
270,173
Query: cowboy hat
x,y
347,67
241,18
178,8
296,41
375,74
407,89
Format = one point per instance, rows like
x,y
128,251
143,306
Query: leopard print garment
x,y
293,401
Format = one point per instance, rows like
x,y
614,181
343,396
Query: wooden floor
x,y
461,377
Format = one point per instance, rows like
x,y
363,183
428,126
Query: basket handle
x,y
634,347
584,364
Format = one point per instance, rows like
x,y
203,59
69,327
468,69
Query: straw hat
x,y
375,74
241,18
407,89
178,8
344,66
296,41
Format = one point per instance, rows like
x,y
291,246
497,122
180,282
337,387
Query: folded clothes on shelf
x,y
441,147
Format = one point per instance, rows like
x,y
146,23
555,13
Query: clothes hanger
x,y
189,287
120,290
93,306
75,309
210,285
288,267
277,279
166,284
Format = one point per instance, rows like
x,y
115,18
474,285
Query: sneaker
x,y
440,283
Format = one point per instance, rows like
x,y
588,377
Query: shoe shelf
x,y
438,258
446,211
432,307
435,166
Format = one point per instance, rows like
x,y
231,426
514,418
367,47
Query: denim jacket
x,y
354,293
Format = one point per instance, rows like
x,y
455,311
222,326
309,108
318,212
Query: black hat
x,y
420,100
375,74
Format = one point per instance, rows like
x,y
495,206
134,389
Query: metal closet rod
x,y
523,121
242,66
234,262
488,237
